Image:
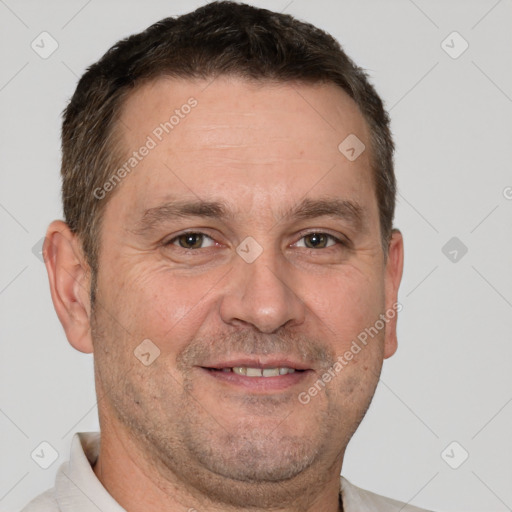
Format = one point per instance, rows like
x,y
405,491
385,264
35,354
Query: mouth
x,y
258,376
257,371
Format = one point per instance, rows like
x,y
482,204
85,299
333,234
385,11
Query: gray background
x,y
450,379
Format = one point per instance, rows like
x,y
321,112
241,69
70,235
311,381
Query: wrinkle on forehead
x,y
257,145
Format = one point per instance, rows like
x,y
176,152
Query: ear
x,y
69,277
393,276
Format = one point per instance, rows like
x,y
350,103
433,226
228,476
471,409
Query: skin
x,y
174,437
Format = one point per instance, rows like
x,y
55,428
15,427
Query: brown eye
x,y
315,240
318,240
192,240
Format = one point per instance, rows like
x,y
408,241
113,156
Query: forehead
x,y
255,143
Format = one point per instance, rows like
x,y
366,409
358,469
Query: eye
x,y
317,241
192,241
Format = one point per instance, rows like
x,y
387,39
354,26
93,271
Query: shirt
x,y
77,489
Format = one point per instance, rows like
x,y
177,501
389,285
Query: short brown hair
x,y
221,38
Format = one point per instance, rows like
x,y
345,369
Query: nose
x,y
261,294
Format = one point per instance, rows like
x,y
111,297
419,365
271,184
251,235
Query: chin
x,y
256,456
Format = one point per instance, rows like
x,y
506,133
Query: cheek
x,y
157,304
348,303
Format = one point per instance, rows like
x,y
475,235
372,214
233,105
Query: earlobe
x,y
394,269
69,278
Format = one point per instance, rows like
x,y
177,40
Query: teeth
x,y
253,372
261,372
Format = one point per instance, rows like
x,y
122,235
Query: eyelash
x,y
339,241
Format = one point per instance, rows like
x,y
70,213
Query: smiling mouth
x,y
266,378
248,371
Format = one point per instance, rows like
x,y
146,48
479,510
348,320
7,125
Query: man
x,y
229,258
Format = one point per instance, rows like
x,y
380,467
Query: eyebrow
x,y
340,209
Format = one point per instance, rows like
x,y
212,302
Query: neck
x,y
138,481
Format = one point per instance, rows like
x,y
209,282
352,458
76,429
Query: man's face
x,y
177,267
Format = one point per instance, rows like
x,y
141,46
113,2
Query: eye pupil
x,y
315,240
191,240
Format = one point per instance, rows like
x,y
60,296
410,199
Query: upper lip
x,y
259,362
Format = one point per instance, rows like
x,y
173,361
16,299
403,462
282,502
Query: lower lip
x,y
262,384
